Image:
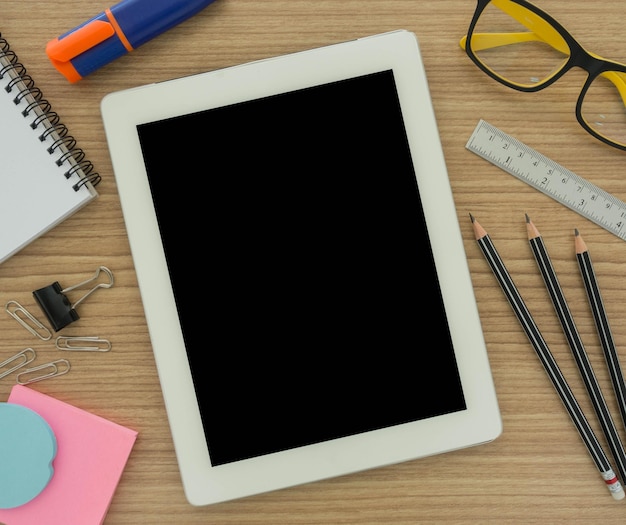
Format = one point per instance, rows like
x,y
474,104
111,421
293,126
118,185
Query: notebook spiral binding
x,y
23,87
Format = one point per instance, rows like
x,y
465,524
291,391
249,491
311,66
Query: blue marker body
x,y
115,32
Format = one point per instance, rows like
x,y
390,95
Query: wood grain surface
x,y
538,471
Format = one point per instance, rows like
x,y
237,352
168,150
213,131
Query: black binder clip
x,y
58,308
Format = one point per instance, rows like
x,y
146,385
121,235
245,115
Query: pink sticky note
x,y
91,456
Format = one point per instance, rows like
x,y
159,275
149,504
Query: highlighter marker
x,y
115,32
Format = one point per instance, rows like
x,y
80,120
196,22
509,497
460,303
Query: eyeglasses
x,y
524,48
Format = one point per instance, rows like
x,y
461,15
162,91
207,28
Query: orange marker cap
x,y
79,41
62,51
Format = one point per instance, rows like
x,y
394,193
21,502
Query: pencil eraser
x,y
619,494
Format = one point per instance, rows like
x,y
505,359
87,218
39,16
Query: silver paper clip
x,y
55,371
22,358
81,344
14,309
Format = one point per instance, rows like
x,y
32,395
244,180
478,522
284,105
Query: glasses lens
x,y
518,45
604,106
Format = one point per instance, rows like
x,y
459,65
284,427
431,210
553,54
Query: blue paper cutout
x,y
27,448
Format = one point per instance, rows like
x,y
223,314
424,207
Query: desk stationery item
x,y
17,361
82,343
601,319
56,368
27,320
330,225
91,456
549,177
115,32
27,448
546,358
577,347
54,302
44,178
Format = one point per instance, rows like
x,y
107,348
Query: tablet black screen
x,y
304,279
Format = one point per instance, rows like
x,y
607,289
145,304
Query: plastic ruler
x,y
549,177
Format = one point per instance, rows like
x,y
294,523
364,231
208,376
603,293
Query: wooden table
x,y
538,471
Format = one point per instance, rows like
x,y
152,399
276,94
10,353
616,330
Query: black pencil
x,y
577,346
602,322
540,346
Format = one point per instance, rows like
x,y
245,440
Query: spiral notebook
x,y
44,177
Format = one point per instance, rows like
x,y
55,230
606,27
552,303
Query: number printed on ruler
x,y
549,177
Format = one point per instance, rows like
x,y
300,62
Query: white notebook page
x,y
35,194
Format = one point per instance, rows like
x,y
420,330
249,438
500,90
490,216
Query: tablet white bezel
x,y
123,111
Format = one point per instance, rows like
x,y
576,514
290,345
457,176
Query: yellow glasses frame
x,y
543,28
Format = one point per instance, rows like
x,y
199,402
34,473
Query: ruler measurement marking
x,y
549,177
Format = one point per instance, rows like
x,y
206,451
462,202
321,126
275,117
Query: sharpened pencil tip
x,y
479,231
532,230
579,243
576,232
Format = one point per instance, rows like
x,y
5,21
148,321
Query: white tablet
x,y
301,267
